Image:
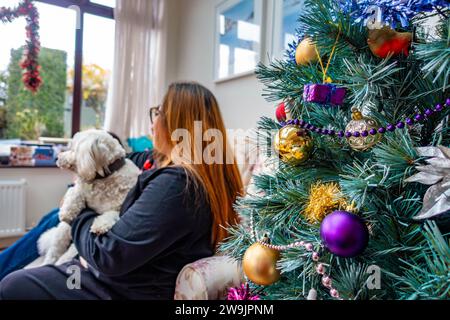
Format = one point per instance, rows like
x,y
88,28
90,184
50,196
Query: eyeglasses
x,y
154,112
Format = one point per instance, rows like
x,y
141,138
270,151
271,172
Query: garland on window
x,y
29,64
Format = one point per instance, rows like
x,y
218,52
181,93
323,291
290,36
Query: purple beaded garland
x,y
390,127
400,125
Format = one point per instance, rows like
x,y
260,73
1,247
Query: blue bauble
x,y
344,234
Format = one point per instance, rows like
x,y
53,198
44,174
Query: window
x,y
69,99
285,23
238,37
97,67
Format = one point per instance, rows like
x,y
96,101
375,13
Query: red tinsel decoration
x,y
31,75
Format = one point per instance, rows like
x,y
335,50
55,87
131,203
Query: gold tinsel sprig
x,y
324,198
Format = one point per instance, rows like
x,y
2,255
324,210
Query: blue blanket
x,y
25,251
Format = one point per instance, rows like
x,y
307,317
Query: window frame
x,y
275,38
85,6
260,19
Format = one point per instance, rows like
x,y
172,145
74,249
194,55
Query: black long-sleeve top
x,y
161,229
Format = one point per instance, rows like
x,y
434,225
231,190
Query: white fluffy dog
x,y
103,179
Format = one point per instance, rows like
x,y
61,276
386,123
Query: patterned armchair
x,y
208,279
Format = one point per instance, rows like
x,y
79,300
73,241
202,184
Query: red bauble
x,y
280,113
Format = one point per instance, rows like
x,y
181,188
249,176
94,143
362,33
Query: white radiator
x,y
12,208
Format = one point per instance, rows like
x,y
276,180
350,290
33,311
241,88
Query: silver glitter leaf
x,y
437,174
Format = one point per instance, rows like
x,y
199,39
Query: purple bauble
x,y
344,234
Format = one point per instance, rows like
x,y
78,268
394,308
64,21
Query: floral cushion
x,y
208,279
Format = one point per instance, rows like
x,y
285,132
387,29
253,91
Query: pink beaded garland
x,y
326,281
315,256
320,268
334,293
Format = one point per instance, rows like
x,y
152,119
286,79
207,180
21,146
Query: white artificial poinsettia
x,y
437,174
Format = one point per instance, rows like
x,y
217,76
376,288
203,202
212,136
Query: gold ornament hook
x,y
356,114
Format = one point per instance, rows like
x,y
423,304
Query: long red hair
x,y
185,103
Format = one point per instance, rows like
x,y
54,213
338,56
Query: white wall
x,y
191,57
44,191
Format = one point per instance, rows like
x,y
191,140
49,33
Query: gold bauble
x,y
306,52
293,144
361,123
259,264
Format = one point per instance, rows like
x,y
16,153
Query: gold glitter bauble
x,y
359,124
259,264
293,145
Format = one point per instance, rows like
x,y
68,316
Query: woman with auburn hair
x,y
176,214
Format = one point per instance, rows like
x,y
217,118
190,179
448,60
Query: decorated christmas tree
x,y
354,202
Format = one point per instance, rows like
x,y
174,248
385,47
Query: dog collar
x,y
113,167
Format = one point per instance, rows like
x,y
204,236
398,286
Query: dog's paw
x,y
103,223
